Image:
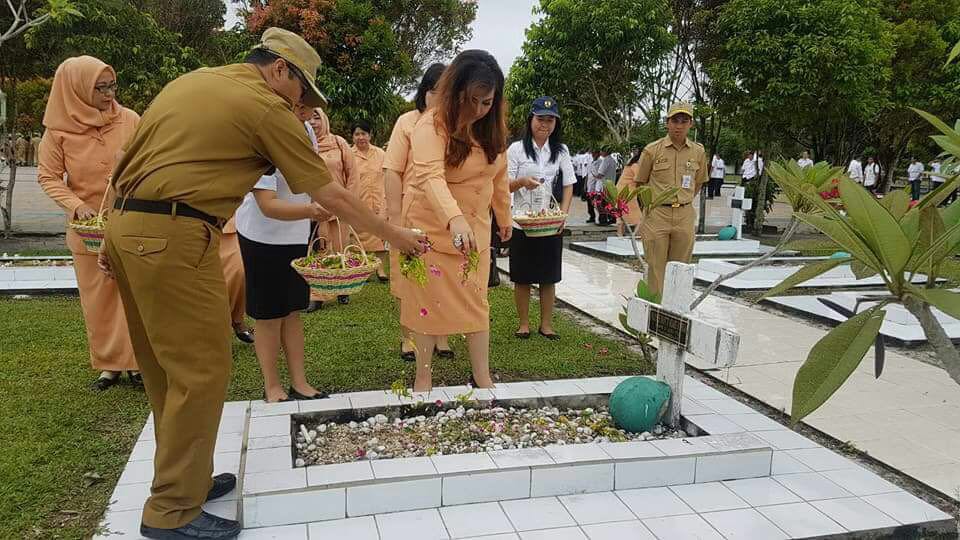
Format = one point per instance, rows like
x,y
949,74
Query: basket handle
x,y
314,238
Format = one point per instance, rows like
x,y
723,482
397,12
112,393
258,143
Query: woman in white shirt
x,y
274,226
538,165
805,160
871,173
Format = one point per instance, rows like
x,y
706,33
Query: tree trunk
x,y
760,200
11,155
946,352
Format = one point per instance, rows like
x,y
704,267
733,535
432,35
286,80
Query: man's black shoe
x,y
205,526
222,484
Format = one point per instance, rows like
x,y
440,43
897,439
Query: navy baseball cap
x,y
545,106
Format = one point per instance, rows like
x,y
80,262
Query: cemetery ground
x,y
63,446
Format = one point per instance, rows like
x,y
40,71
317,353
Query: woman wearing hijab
x,y
397,171
369,186
338,156
459,175
86,128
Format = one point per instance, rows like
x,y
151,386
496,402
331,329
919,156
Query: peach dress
x,y
370,189
434,195
399,159
338,156
80,145
233,270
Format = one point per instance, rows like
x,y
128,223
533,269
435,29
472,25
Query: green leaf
x,y
664,197
877,227
861,270
942,299
940,194
897,203
945,245
931,229
646,293
806,273
832,360
953,54
940,125
841,232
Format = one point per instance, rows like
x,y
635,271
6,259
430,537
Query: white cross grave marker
x,y
681,334
739,205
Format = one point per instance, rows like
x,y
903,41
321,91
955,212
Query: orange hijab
x,y
326,141
70,106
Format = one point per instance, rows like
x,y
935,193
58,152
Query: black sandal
x,y
136,378
343,299
294,395
446,354
102,383
522,335
551,337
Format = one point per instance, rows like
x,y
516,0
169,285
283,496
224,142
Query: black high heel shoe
x,y
136,378
446,354
343,300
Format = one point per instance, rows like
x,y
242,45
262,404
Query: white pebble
x,y
300,462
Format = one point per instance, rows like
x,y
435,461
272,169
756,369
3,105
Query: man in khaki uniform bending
x,y
673,161
203,143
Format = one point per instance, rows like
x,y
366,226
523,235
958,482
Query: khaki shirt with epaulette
x,y
210,135
663,166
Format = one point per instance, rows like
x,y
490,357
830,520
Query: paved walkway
x,y
33,211
906,419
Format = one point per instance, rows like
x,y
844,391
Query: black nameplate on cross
x,y
736,203
669,326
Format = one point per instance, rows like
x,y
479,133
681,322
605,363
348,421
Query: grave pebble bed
x,y
461,430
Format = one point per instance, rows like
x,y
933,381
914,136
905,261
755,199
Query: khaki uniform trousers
x,y
171,282
668,235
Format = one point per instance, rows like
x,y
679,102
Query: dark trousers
x,y
495,245
713,188
591,211
915,190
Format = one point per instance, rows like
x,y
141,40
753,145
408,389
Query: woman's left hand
x,y
505,233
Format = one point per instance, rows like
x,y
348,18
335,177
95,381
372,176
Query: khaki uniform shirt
x,y
210,135
663,166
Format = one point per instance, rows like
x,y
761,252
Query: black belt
x,y
675,205
167,208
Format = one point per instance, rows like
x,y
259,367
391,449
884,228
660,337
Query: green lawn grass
x,y
54,430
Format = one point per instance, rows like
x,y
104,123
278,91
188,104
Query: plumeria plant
x,y
897,241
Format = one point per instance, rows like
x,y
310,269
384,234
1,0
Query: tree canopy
x,y
798,70
596,58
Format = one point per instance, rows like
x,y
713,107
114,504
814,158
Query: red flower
x,y
438,403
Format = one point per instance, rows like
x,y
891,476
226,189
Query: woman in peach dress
x,y
86,129
369,186
338,156
459,175
397,172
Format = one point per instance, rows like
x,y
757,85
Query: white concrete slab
x,y
777,269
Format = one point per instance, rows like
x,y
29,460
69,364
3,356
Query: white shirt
x,y
581,164
718,169
519,164
749,169
870,173
804,163
252,224
855,171
914,171
935,169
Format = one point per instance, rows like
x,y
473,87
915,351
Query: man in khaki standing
x,y
668,232
204,142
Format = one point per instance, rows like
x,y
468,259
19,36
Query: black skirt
x,y
274,289
535,260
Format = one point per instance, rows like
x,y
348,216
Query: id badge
x,y
687,182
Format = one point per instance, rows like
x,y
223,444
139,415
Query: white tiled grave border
x,y
796,484
768,275
23,279
705,246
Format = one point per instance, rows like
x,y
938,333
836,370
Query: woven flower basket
x,y
548,224
340,279
91,233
